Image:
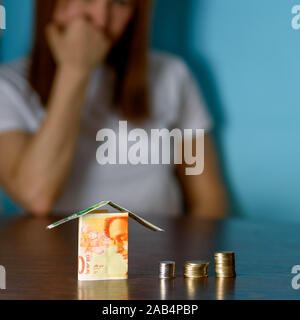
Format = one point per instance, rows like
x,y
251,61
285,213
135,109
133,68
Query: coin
x,y
196,269
225,264
166,269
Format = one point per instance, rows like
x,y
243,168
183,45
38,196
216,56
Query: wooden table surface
x,y
42,264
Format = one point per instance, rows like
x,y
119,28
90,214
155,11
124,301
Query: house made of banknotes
x,y
103,241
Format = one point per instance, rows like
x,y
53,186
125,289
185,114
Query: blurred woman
x,y
90,68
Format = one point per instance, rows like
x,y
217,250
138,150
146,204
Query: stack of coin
x,y
167,269
224,264
196,269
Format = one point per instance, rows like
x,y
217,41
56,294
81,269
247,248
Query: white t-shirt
x,y
144,189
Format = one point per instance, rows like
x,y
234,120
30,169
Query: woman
x,y
89,69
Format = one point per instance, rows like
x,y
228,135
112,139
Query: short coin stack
x,y
196,269
224,264
167,269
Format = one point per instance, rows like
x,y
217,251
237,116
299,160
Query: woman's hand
x,y
77,50
205,194
79,45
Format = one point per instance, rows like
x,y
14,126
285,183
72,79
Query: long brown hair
x,y
128,57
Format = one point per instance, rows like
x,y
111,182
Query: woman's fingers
x,y
53,36
79,43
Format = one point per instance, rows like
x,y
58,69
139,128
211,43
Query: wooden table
x,y
42,264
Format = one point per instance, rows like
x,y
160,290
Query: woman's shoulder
x,y
14,74
163,64
167,77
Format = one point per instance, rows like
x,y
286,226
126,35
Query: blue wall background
x,y
246,57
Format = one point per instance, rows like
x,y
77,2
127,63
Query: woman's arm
x,y
205,194
35,167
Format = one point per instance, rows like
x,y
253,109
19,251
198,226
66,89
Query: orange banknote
x,y
103,247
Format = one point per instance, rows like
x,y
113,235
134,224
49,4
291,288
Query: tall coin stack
x,y
167,270
196,269
225,264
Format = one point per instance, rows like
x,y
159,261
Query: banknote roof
x,y
101,204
